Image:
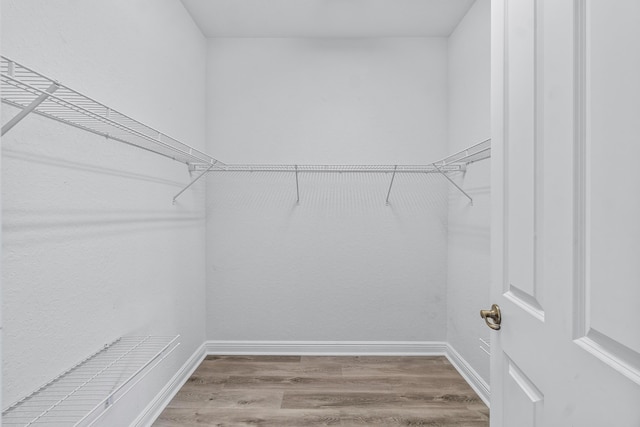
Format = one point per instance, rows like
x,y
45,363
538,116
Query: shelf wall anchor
x,y
29,108
453,182
193,182
391,183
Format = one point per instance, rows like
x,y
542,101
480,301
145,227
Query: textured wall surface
x,y
93,248
360,101
468,276
340,265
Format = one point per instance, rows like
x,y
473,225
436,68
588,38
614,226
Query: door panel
x,y
526,408
521,108
609,196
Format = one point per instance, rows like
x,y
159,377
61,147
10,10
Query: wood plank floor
x,y
325,391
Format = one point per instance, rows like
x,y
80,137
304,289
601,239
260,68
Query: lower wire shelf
x,y
81,394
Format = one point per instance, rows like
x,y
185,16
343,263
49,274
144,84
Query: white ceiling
x,y
327,18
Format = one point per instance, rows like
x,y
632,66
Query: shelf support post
x,y
297,187
193,182
29,108
391,183
451,181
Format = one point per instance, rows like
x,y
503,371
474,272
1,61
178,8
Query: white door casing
x,y
566,213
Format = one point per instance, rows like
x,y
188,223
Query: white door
x,y
566,213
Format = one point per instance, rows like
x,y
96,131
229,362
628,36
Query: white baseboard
x,y
328,348
157,405
470,375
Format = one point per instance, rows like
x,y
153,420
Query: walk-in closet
x,y
319,212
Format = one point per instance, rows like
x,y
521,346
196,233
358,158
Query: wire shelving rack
x,y
34,92
454,163
31,91
80,395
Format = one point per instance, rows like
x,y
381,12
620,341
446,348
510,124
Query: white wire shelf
x,y
454,163
81,394
334,168
31,91
475,153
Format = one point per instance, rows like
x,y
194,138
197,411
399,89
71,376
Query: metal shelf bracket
x,y
453,182
29,108
395,168
297,187
193,182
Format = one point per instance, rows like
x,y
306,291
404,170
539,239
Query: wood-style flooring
x,y
325,391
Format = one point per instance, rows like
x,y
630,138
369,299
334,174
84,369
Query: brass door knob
x,y
494,315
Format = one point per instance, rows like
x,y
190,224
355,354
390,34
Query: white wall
x,y
359,101
468,276
340,265
93,248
